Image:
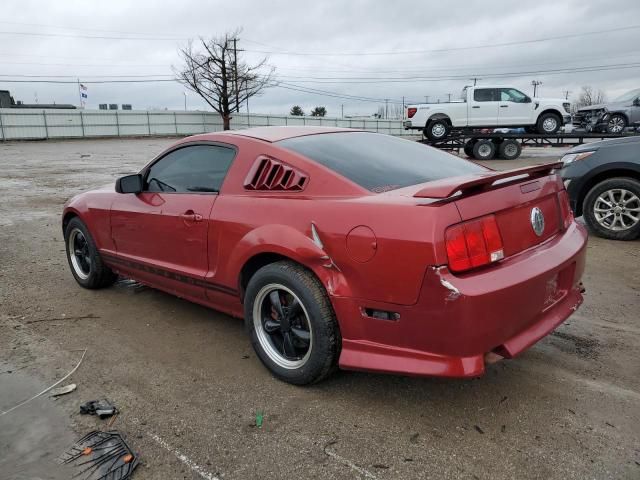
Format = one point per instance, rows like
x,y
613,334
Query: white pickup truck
x,y
488,106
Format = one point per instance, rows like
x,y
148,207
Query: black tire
x,y
92,273
600,227
468,148
530,129
509,150
321,357
437,129
484,150
617,123
548,123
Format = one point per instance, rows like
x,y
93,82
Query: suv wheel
x,y
612,209
616,124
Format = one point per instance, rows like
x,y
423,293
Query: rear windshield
x,y
379,162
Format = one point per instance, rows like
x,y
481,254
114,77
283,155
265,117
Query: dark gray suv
x,y
603,182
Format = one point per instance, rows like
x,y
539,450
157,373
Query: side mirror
x,y
129,184
636,102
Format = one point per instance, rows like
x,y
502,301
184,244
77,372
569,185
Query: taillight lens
x,y
565,209
473,244
411,112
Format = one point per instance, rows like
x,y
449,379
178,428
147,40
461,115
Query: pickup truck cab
x,y
488,106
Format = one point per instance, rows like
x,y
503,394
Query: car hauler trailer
x,y
508,146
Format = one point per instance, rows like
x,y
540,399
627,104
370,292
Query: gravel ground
x,y
189,385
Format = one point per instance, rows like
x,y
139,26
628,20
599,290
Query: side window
x,y
512,95
485,95
195,168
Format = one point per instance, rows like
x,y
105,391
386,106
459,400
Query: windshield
x,y
379,162
629,96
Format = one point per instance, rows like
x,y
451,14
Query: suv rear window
x,y
379,162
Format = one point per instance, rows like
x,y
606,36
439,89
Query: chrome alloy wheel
x,y
617,209
616,124
79,254
282,326
550,124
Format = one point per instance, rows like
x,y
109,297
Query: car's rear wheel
x,y
612,209
548,123
484,150
509,150
437,129
291,323
84,259
616,124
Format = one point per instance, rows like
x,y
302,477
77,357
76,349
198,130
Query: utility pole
x,y
403,105
535,84
79,93
386,108
426,99
235,73
342,110
449,97
475,80
185,100
566,94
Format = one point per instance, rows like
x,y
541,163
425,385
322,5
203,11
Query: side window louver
x,y
270,174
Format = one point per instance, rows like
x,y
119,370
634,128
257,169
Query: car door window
x,y
485,95
512,95
190,169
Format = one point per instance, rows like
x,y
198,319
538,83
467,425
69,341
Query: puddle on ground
x,y
34,435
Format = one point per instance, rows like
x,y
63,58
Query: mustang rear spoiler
x,y
448,186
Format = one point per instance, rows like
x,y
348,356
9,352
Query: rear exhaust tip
x,y
492,357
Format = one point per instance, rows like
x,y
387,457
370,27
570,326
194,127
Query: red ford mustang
x,y
342,248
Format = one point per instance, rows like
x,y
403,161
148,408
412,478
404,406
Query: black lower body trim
x,y
167,274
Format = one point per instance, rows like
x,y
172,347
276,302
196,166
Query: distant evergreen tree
x,y
296,111
319,112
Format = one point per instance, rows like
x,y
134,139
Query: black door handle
x,y
475,106
504,106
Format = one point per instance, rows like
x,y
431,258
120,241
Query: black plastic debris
x,y
102,408
101,456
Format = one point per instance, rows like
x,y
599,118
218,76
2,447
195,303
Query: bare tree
x,y
589,96
212,69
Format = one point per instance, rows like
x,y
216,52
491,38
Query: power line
x,y
99,37
450,49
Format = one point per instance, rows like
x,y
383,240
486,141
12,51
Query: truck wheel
x,y
548,123
468,148
612,209
616,124
509,150
437,129
484,150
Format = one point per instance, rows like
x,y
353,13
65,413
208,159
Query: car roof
x,y
275,134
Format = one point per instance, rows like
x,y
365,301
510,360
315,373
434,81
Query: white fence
x,y
31,124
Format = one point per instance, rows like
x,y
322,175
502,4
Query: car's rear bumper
x,y
459,319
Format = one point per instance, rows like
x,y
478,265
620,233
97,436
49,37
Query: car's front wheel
x,y
612,209
84,259
291,323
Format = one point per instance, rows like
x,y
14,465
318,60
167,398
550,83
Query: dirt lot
x,y
189,385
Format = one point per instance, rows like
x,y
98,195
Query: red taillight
x,y
565,209
411,112
473,244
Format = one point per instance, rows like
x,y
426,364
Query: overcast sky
x,y
372,49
